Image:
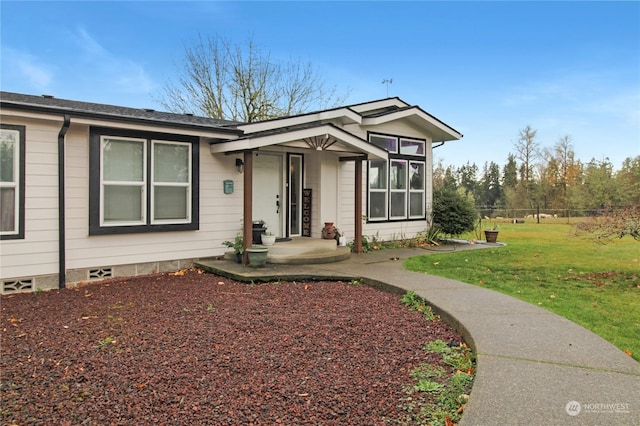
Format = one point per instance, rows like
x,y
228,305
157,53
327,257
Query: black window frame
x,y
409,158
21,184
95,228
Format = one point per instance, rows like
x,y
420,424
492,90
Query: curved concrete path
x,y
533,366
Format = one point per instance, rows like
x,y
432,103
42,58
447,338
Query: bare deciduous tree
x,y
220,79
611,224
527,151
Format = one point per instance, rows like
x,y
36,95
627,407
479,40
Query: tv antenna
x,y
387,81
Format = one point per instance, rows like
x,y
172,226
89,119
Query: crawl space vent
x,y
18,285
97,274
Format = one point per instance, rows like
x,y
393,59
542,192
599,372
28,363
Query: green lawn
x,y
596,286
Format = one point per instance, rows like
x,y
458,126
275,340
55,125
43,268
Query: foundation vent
x,y
17,285
98,274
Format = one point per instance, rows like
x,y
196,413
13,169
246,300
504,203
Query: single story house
x,y
90,191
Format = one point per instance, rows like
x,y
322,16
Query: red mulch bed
x,y
200,349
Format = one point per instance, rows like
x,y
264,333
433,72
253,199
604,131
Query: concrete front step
x,y
304,251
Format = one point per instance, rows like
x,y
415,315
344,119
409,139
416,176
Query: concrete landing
x,y
303,251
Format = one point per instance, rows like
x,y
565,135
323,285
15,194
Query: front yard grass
x,y
596,286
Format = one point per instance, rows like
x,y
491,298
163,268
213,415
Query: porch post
x,y
247,225
358,206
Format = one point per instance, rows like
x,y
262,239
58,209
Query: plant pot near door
x,y
257,256
491,235
329,231
257,231
268,239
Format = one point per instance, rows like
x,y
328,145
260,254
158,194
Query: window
x,y
12,178
397,186
378,190
142,182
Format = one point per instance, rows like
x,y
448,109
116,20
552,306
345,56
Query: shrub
x,y
453,213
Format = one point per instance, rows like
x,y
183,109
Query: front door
x,y
267,191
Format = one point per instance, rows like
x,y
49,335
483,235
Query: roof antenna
x,y
387,81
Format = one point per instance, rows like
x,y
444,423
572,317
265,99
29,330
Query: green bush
x,y
453,213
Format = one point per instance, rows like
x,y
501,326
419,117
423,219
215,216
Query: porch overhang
x,y
320,137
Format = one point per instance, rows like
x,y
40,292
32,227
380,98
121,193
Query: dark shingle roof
x,y
112,112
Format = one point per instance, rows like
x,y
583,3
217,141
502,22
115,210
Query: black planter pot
x,y
491,236
258,230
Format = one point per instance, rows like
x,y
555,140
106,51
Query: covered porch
x,y
306,143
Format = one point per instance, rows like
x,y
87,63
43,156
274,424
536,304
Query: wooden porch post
x,y
358,206
247,225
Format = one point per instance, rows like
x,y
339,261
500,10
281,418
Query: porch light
x,y
239,165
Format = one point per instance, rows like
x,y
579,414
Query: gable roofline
x,y
348,110
379,104
295,137
341,114
50,104
365,113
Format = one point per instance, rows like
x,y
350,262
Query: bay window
x,y
396,189
12,162
142,182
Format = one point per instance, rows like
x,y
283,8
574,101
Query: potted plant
x,y
237,245
491,235
268,238
257,256
329,231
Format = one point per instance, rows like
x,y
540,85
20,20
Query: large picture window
x,y
396,189
12,161
142,182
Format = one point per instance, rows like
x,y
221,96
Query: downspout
x,y
62,269
439,145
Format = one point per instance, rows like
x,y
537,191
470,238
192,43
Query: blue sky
x,y
488,69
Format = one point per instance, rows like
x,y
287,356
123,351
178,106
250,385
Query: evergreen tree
x,y
510,173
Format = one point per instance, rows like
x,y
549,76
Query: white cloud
x,y
34,75
111,69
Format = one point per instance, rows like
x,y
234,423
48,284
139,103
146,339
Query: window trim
x,y
96,224
407,159
19,213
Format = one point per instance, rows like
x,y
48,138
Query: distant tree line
x,y
541,179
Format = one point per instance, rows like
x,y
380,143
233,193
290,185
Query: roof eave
x,y
439,130
115,118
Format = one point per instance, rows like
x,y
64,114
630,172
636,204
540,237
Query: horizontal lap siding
x,y
36,254
220,216
346,201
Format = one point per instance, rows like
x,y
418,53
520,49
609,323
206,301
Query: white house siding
x,y
219,215
36,253
346,201
328,189
35,258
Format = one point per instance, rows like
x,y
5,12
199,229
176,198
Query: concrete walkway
x,y
533,367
